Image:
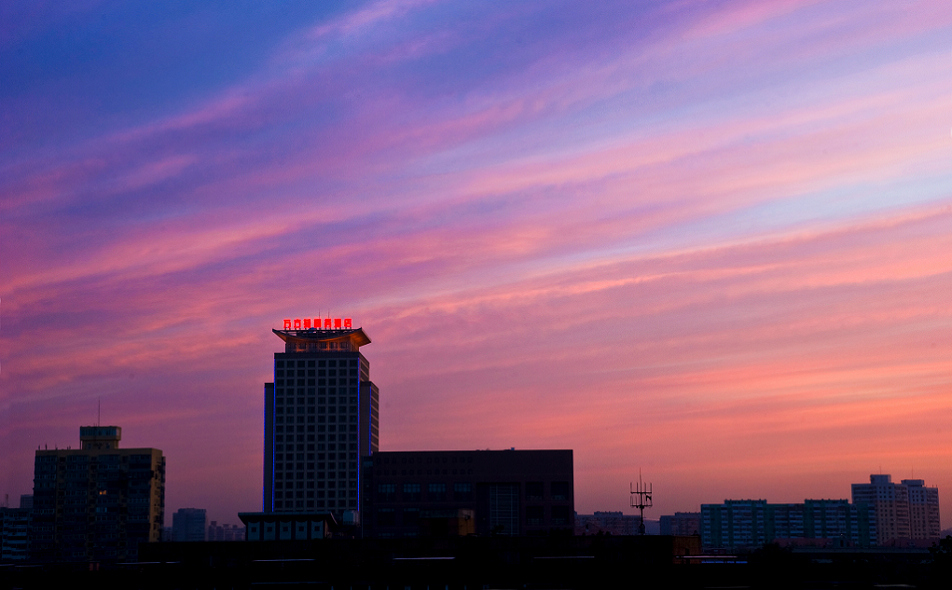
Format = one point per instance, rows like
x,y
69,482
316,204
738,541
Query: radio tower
x,y
643,492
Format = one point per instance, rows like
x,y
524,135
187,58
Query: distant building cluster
x,y
225,532
683,524
882,514
607,523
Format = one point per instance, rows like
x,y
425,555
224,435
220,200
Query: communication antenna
x,y
643,493
99,412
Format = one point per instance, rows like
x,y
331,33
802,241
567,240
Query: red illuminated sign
x,y
327,323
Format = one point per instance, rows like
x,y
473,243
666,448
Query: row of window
x,y
395,472
310,484
310,456
322,428
298,504
535,515
352,418
290,392
324,470
311,382
281,364
320,437
320,410
280,400
384,460
411,492
319,494
316,373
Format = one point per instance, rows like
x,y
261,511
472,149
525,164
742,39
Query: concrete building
x,y
321,418
452,493
923,510
607,523
225,532
14,531
98,502
681,524
904,511
749,524
188,524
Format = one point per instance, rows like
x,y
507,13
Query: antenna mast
x,y
643,492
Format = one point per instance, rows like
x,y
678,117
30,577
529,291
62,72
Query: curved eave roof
x,y
356,337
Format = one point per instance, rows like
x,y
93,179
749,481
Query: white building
x,y
907,510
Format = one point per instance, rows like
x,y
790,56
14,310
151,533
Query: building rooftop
x,y
316,339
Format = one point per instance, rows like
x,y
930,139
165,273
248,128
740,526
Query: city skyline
x,y
708,241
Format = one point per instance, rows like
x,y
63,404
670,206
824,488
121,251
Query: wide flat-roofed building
x,y
321,417
98,502
434,493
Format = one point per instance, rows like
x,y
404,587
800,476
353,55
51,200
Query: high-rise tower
x,y
321,417
906,510
99,502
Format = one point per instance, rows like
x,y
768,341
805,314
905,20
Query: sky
x,y
708,242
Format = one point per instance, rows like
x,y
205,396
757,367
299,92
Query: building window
x,y
534,491
411,492
411,516
386,492
386,517
534,515
463,491
436,492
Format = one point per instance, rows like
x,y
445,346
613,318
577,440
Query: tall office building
x,y
321,417
98,502
906,510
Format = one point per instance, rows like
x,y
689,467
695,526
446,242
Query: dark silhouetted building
x,y
188,524
287,526
681,524
607,523
225,532
14,530
321,418
450,493
96,503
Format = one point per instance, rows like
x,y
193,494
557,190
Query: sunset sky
x,y
708,240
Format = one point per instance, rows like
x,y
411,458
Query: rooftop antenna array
x,y
643,493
